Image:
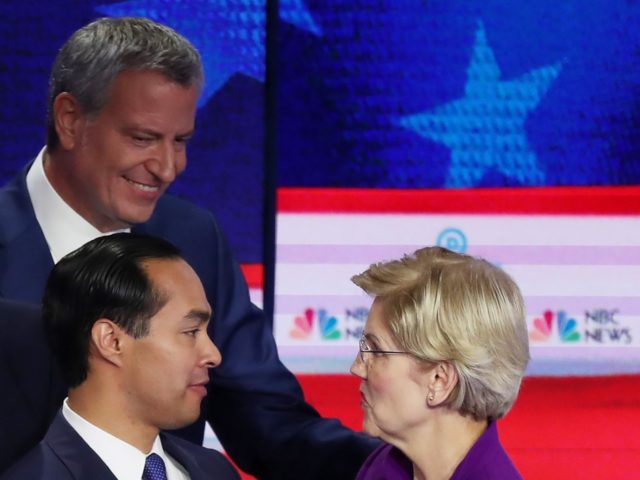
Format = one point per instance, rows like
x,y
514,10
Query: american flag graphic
x,y
574,252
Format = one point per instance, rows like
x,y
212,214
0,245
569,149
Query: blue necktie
x,y
154,468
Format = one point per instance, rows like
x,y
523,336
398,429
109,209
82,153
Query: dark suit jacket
x,y
63,455
30,386
255,405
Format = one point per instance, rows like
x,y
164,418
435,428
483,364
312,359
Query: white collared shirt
x,y
125,461
63,228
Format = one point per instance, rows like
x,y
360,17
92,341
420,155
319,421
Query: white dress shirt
x,y
125,461
63,228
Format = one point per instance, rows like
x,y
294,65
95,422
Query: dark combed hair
x,y
104,278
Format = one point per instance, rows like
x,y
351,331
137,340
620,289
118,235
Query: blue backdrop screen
x,y
442,93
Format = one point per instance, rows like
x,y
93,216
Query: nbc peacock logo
x,y
302,325
542,327
327,325
567,328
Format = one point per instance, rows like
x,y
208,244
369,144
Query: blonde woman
x,y
441,358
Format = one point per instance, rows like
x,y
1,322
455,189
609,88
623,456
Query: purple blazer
x,y
486,460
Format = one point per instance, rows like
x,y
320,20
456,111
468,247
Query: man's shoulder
x,y
14,186
170,204
176,214
22,337
10,311
214,463
15,207
41,463
191,228
172,442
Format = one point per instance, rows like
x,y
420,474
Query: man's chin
x,y
182,422
134,218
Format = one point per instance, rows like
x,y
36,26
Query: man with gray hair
x,y
122,107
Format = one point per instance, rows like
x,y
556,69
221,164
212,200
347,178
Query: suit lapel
x,y
184,458
72,450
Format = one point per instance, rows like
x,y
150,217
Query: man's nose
x,y
168,162
211,355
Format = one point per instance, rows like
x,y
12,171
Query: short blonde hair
x,y
445,306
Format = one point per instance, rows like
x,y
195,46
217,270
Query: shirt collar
x,y
63,228
124,460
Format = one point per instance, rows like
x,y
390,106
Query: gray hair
x,y
442,306
92,58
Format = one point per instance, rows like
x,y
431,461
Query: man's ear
x,y
67,116
442,380
106,341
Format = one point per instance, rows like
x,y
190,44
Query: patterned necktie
x,y
154,468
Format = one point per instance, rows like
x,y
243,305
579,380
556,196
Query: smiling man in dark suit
x,y
126,318
122,106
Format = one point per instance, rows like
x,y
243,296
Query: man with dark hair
x,y
121,110
126,318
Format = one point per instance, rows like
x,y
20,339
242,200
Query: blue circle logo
x,y
452,239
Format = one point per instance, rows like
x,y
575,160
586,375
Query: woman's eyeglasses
x,y
366,348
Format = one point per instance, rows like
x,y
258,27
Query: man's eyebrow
x,y
201,316
133,130
186,135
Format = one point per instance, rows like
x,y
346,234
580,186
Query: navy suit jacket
x,y
255,405
63,455
30,385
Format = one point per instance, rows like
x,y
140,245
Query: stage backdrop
x,y
575,253
460,93
408,95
